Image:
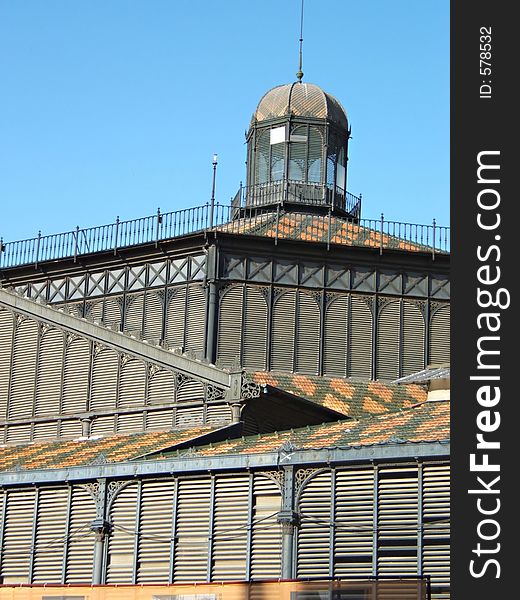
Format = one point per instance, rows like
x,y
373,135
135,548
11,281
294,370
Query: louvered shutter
x,y
112,316
160,387
354,518
134,314
360,351
192,530
266,538
70,429
413,339
45,431
130,423
255,330
94,310
436,530
262,157
230,528
18,434
80,547
159,420
105,368
6,346
388,333
307,335
440,335
190,390
76,376
229,338
298,153
49,373
132,383
398,505
103,425
18,533
121,543
51,531
283,332
23,370
175,317
155,532
218,413
314,532
315,166
154,317
335,342
196,319
189,416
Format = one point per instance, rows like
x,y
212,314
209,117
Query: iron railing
x,y
274,222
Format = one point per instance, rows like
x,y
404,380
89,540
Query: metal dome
x,y
301,100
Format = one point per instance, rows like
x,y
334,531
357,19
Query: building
x,y
229,392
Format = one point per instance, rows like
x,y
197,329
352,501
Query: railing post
x,y
117,232
76,244
328,229
37,249
433,242
159,221
2,250
277,222
381,235
359,207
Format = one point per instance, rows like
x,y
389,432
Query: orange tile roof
x,y
315,228
81,452
353,398
426,422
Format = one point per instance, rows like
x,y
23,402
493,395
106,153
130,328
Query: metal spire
x,y
299,74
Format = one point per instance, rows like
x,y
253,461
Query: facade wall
x,y
363,520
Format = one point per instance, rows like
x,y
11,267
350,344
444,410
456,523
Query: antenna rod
x,y
212,205
299,74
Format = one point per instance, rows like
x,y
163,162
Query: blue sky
x,y
115,107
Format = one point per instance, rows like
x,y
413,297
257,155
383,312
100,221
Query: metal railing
x,y
255,221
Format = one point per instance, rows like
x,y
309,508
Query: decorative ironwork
x,y
249,388
303,476
277,476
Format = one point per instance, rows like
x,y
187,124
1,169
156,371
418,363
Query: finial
x,y
299,74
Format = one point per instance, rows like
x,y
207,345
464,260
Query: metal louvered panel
x,y
440,336
398,512
134,312
354,519
298,153
18,533
360,350
196,319
51,531
70,429
266,536
192,530
262,157
307,335
45,431
189,416
436,527
413,339
229,338
190,390
80,547
130,423
72,308
315,160
283,330
155,532
49,373
255,330
112,316
335,342
161,387
18,434
218,413
6,346
121,543
23,370
388,334
159,420
230,528
314,532
102,425
75,376
94,310
105,367
154,317
132,383
175,317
